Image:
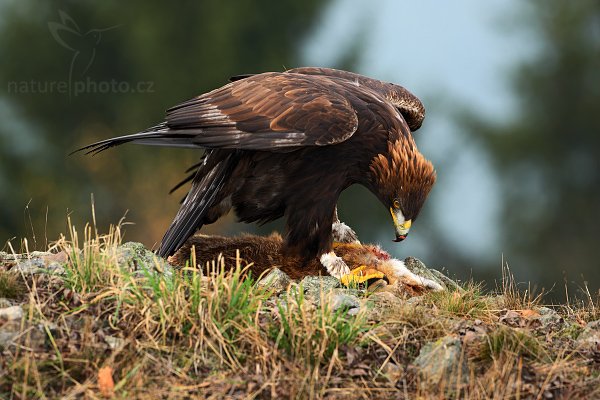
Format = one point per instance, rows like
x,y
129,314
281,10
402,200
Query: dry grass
x,y
305,332
181,334
513,297
512,343
468,303
11,285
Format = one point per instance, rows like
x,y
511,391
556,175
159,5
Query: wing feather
x,y
291,110
269,112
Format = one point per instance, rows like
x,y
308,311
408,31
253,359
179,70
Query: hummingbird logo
x,y
82,44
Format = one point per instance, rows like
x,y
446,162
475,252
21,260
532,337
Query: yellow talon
x,y
361,275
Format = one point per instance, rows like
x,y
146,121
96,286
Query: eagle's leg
x,y
313,231
341,232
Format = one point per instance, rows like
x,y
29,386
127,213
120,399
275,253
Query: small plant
x,y
470,302
95,265
585,307
514,298
512,342
312,334
11,285
214,313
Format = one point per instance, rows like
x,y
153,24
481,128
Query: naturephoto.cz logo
x,y
83,47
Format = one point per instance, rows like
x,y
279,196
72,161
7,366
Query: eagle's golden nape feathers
x,y
403,178
403,170
405,165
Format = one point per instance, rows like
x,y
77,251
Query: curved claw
x,y
360,275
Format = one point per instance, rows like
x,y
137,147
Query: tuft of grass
x,y
11,285
470,302
92,263
212,313
513,297
183,321
585,307
505,342
312,334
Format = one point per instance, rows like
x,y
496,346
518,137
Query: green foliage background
x,y
547,156
173,50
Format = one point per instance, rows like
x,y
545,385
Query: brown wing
x,y
270,111
267,111
407,103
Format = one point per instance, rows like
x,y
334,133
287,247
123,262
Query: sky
x,y
453,56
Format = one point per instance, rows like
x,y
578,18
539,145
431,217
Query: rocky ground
x,y
100,320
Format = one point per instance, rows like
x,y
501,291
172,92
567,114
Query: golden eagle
x,y
287,144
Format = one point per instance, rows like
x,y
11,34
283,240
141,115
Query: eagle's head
x,y
402,178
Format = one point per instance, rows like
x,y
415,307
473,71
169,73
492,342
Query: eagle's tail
x,y
158,135
203,194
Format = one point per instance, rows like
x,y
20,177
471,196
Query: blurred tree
x,y
73,73
548,155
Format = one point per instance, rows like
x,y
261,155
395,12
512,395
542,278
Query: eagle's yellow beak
x,y
402,226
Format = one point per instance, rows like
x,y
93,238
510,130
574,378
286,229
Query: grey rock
x,y
549,320
589,338
276,280
139,258
385,300
113,342
315,285
344,301
11,334
39,254
36,262
31,266
417,267
353,311
8,333
381,305
328,288
442,361
55,268
11,313
24,256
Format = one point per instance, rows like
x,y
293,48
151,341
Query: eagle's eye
x,y
396,204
